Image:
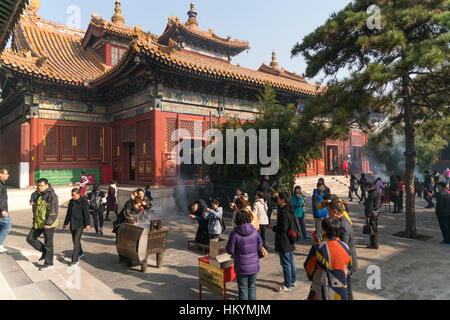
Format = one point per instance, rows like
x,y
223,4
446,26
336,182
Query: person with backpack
x,y
215,220
443,211
372,212
97,200
299,204
261,208
285,238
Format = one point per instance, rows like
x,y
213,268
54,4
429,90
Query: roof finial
x,y
274,63
117,17
34,6
192,21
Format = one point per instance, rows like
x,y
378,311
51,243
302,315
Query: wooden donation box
x,y
213,278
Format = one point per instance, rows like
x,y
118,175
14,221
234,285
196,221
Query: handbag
x,y
262,253
292,235
367,229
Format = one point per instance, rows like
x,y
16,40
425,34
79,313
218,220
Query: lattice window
x,y
189,126
95,136
171,127
67,142
81,142
51,143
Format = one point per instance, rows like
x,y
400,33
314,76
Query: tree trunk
x,y
410,155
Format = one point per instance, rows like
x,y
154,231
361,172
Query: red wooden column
x,y
107,144
35,141
158,145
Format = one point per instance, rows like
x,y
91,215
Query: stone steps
x,y
337,184
16,285
24,281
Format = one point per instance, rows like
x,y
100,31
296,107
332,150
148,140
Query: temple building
x,y
111,97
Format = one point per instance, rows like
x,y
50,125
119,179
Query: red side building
x,y
112,96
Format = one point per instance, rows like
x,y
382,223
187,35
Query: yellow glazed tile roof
x,y
51,52
54,52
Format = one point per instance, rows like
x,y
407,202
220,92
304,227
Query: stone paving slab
x,y
410,269
45,290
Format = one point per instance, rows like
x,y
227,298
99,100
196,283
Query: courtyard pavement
x,y
409,269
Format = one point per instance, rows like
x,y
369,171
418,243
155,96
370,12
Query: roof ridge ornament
x,y
117,18
274,63
34,6
192,13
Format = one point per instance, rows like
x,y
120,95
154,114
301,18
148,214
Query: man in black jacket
x,y
443,211
284,244
78,217
5,220
346,235
372,211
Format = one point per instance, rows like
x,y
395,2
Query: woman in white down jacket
x,y
260,208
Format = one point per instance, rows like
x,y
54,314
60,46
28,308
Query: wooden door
x,y
67,143
50,143
81,144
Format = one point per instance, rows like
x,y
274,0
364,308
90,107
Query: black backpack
x,y
95,201
294,229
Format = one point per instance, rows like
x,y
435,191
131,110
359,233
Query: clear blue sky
x,y
267,25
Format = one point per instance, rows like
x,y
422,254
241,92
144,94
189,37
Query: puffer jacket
x,y
260,209
244,243
45,211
